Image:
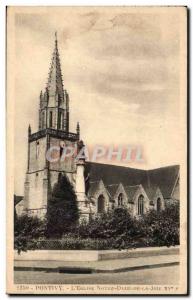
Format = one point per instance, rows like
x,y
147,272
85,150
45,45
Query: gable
x,y
112,188
96,188
151,191
176,191
131,191
93,188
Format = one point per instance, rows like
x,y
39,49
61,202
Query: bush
x,y
26,231
125,231
162,229
109,225
113,230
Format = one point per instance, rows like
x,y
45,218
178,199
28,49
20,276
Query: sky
x,y
121,68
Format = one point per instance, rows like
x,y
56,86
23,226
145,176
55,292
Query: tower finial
x,y
29,130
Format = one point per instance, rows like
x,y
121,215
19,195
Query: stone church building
x,y
99,187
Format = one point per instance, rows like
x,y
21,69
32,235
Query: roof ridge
x,y
126,167
166,167
120,166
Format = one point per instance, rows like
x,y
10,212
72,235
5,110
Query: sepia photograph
x,y
97,150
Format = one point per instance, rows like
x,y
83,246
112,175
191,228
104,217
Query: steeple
x,y
55,83
54,102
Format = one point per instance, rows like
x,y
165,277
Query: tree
x,y
62,213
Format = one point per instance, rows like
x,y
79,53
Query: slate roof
x,y
164,177
112,174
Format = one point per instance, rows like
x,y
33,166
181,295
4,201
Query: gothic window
x,y
60,120
158,204
120,199
61,151
141,205
62,146
50,120
43,120
101,204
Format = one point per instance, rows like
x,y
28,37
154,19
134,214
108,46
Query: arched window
x,y
141,205
50,119
60,120
159,205
120,199
101,204
43,117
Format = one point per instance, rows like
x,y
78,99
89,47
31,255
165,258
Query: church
x,y
98,187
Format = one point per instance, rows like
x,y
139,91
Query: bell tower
x,y
53,131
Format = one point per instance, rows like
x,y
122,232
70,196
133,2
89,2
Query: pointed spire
x,y
55,84
78,129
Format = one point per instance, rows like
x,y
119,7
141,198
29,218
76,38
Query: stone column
x,y
80,183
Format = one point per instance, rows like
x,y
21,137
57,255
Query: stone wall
x,y
37,157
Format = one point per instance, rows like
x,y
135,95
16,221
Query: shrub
x,y
71,243
112,230
108,225
26,231
125,231
162,229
